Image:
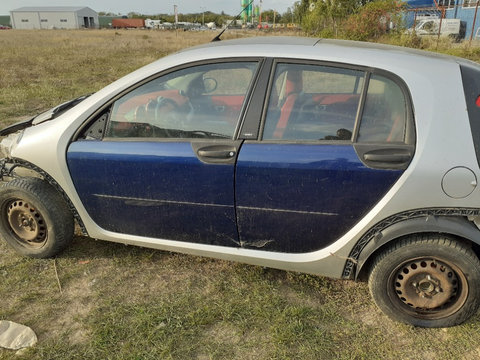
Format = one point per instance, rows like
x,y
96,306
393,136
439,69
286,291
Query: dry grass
x,y
43,68
130,303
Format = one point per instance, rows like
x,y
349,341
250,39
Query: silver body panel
x,y
441,119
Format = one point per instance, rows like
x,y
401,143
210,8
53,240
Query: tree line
x,y
219,19
351,19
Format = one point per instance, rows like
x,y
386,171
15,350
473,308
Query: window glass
x,y
203,101
310,102
385,112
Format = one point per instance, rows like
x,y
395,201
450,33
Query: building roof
x,y
51,8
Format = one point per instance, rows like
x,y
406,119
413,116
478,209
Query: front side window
x,y
203,101
310,102
385,112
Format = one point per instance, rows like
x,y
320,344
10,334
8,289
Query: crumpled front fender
x,y
8,144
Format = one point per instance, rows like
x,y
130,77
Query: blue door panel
x,y
300,198
155,189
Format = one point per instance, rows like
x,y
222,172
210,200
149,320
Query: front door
x,y
165,167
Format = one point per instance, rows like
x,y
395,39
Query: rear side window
x,y
471,87
385,112
311,102
322,102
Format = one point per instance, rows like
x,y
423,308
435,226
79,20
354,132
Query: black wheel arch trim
x,y
8,165
450,221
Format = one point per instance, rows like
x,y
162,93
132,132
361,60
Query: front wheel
x,y
34,218
427,281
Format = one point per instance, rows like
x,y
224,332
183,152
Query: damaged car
x,y
335,158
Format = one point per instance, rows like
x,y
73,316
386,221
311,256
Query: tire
x,y
34,218
427,281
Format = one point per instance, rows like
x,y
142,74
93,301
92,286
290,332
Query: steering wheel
x,y
141,127
167,116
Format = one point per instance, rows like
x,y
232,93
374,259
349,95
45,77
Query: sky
x,y
231,7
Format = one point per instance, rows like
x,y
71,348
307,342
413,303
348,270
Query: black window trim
x,y
361,106
250,126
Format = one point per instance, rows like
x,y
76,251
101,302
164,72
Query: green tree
x,y
374,20
268,16
301,9
326,16
287,16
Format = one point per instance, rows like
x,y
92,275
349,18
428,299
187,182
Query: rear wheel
x,y
427,281
34,218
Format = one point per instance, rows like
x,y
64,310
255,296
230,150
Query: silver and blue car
x,y
336,158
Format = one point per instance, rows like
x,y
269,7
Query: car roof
x,y
267,40
325,45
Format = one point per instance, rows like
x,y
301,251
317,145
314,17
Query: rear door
x,y
335,139
159,161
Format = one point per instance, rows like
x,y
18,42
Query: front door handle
x,y
218,154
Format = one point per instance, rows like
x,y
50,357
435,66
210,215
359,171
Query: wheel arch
x,y
14,167
458,227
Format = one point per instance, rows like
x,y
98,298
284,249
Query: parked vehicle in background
x,y
336,158
4,27
454,28
128,23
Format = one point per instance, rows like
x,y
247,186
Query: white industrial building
x,y
54,17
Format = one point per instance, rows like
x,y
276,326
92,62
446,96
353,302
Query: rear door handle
x,y
385,156
391,158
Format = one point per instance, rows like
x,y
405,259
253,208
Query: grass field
x,y
110,301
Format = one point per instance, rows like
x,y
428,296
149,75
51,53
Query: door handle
x,y
394,158
218,154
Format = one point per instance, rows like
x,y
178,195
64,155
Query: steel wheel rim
x,y
26,223
428,288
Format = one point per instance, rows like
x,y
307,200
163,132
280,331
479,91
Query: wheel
x,y
427,281
34,218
